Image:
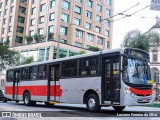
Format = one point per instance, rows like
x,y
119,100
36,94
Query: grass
x,y
155,104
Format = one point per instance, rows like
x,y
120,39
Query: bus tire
x,y
118,108
27,99
92,103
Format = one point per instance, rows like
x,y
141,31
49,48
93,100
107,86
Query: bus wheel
x,y
92,103
118,108
26,99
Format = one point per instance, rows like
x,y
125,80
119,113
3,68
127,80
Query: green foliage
x,y
50,36
38,37
82,52
29,39
94,48
7,57
136,39
26,60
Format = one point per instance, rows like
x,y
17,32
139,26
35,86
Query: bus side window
x,y
25,73
88,67
10,76
33,72
69,68
17,75
42,72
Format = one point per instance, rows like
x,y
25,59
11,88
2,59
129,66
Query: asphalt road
x,y
68,110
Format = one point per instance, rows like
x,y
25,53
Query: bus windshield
x,y
137,71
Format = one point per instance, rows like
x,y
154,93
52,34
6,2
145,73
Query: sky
x,y
121,27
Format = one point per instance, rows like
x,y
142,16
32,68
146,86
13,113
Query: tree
x,y
26,60
29,38
7,57
94,48
81,52
136,39
38,37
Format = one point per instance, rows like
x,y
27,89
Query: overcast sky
x,y
121,27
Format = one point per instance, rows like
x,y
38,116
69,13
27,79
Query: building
x,y
33,26
155,60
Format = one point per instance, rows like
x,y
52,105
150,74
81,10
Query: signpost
x,y
155,5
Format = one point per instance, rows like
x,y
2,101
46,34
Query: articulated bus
x,y
118,78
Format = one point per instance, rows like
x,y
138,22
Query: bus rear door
x,y
111,80
16,83
53,83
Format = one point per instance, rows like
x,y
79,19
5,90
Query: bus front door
x,y
16,84
53,83
111,80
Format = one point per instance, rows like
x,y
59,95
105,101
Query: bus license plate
x,y
144,100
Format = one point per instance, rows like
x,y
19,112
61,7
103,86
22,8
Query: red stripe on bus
x,y
35,90
141,92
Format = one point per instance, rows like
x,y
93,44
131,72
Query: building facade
x,y
33,27
155,61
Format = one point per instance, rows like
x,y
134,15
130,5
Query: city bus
x,y
117,78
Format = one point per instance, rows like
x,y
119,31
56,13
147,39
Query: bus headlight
x,y
127,90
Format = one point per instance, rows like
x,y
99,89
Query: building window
x,y
40,31
7,1
12,9
107,33
98,29
21,19
88,25
12,1
3,30
100,40
1,4
22,10
0,13
77,10
89,14
79,33
20,29
77,44
32,22
64,17
10,29
107,23
63,30
76,21
23,1
33,11
108,12
89,3
51,16
63,41
51,29
11,19
98,18
90,37
65,4
34,1
4,21
80,1
52,3
155,56
99,8
19,39
107,44
31,33
43,7
5,12
108,2
41,19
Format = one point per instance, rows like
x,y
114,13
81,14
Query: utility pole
x,y
58,41
47,19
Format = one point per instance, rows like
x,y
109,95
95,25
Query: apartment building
x,y
76,24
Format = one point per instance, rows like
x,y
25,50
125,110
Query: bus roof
x,y
75,57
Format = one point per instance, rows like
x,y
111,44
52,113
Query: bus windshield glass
x,y
137,71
